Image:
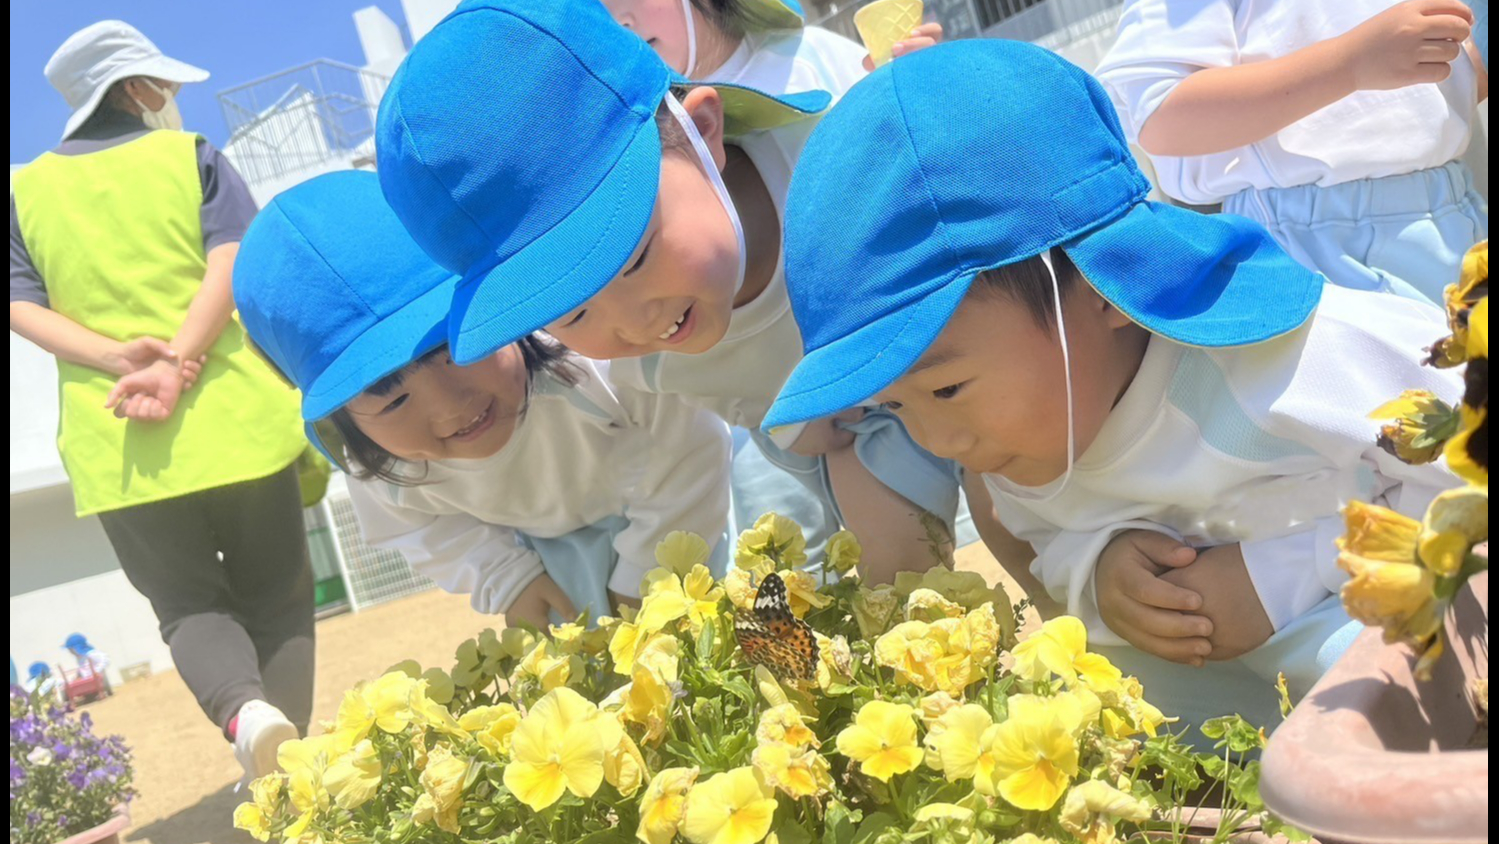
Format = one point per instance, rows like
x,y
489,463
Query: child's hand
x,y
823,435
922,37
535,603
1229,600
149,394
1146,610
1410,44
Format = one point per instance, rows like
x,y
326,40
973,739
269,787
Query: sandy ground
x,y
186,772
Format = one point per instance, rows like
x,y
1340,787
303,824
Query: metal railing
x,y
1049,23
301,118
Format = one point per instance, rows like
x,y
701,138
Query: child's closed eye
x,y
394,403
948,392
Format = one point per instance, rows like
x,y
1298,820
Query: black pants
x,y
228,574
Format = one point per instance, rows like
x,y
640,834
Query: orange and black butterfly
x,y
774,637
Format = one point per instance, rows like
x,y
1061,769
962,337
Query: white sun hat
x,y
101,54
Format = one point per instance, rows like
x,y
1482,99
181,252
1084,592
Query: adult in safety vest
x,y
172,431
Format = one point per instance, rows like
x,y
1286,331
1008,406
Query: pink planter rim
x,y
112,827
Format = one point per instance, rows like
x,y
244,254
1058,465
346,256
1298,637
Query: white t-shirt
x,y
1261,445
581,454
738,378
1369,134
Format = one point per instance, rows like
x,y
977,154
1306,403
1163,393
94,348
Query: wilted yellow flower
x,y
1422,424
1131,713
735,807
741,584
797,770
491,726
353,777
929,605
559,746
442,790
843,552
835,661
624,767
882,740
912,652
1456,521
1462,299
664,805
1378,533
802,594
874,609
1092,808
681,551
773,536
785,724
1060,647
1399,597
1034,757
646,701
568,637
935,705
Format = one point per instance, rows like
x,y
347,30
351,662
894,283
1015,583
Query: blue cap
x,y
518,144
334,292
977,154
77,642
38,669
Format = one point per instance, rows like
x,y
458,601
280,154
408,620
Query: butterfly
x,y
774,637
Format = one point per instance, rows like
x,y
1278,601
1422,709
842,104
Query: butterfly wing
x,y
774,637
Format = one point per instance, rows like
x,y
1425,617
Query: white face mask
x,y
166,117
705,159
691,39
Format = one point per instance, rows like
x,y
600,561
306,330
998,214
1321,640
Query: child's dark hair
x,y
366,460
1028,284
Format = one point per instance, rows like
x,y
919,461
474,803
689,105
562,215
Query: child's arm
x,y
1137,600
1183,92
458,552
683,485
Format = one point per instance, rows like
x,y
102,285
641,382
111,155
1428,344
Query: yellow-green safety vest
x,y
117,238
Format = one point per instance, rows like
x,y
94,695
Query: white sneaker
x,y
258,735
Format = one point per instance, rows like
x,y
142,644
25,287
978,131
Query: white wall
x,y
64,578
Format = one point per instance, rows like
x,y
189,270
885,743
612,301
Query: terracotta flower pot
x,y
105,833
1374,756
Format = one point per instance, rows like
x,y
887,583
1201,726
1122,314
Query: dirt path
x,y
185,771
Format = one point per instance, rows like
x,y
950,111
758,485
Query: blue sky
x,y
235,40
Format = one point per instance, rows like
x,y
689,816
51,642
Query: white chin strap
x,y
691,39
1056,295
705,159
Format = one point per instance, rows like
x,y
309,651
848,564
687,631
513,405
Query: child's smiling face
x,y
676,291
435,409
990,392
660,23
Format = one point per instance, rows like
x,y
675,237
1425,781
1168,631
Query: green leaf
x,y
872,826
790,832
839,823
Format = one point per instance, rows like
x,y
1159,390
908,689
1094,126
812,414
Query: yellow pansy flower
x,y
1035,758
266,797
1092,808
929,605
959,741
735,807
664,804
741,584
1456,521
842,552
662,601
802,594
389,700
548,667
491,726
559,746
679,552
646,701
772,536
1060,647
882,740
353,778
1378,533
704,596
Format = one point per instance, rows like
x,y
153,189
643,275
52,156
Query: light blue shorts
x,y
888,452
1303,650
1403,234
582,562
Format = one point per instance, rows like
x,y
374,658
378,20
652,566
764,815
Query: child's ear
x,y
705,107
